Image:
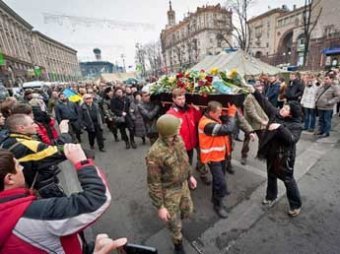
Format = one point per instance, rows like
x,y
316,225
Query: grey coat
x,y
150,112
137,118
327,97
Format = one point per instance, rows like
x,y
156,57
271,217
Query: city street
x,y
90,69
248,226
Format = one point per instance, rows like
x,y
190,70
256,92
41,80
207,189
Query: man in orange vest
x,y
215,147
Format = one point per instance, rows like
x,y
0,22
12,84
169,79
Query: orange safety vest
x,y
212,148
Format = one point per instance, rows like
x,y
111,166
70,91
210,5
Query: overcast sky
x,y
131,21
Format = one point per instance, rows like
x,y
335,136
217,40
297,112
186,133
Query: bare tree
x,y
309,24
140,58
153,53
241,31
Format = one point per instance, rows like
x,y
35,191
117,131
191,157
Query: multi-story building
x,y
59,61
205,32
15,37
24,50
277,36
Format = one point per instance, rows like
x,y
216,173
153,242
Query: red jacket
x,y
190,118
44,134
50,225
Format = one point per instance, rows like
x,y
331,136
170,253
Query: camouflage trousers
x,y
179,204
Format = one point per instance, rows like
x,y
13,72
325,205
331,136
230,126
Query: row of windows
x,y
212,21
294,19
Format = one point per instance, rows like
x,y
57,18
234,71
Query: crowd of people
x,y
44,127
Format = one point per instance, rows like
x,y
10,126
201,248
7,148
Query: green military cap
x,y
168,125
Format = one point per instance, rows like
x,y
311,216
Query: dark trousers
x,y
125,136
246,141
219,184
75,131
325,119
292,189
309,118
97,134
199,165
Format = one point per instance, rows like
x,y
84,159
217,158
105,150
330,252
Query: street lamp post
x,y
123,58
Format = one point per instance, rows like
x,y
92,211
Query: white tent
x,y
117,77
243,62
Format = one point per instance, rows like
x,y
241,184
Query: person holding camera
x,y
50,225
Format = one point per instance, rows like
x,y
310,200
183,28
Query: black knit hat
x,y
295,109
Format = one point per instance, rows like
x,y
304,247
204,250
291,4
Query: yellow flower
x,y
233,73
172,79
213,71
202,75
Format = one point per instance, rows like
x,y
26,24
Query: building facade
x,y
205,32
24,50
59,61
277,36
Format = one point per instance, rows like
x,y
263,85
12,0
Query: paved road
x,y
131,213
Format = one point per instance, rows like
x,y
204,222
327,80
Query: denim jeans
x,y
325,119
219,184
309,118
292,189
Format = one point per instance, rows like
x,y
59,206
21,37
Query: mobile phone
x,y
130,248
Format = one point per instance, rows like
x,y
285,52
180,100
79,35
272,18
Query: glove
x,y
231,110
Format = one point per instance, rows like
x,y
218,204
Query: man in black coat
x,y
91,119
66,110
294,90
278,148
120,106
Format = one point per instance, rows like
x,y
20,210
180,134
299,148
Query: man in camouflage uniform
x,y
169,178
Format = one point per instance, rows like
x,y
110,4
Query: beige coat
x,y
325,100
253,113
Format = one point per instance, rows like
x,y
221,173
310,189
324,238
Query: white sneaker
x,y
269,203
294,212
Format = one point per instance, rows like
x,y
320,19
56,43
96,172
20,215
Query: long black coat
x,y
120,105
86,119
294,90
278,147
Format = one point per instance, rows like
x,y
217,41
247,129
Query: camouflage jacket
x,y
168,167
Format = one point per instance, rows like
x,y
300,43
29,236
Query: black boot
x,y
127,144
179,248
133,144
116,137
220,209
143,139
132,140
230,169
205,179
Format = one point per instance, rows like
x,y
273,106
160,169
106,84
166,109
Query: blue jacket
x,y
272,93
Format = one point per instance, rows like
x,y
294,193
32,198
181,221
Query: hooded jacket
x,y
188,131
51,225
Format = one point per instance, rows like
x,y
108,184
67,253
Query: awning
x,y
331,51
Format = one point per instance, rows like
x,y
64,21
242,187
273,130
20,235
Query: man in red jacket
x,y
190,116
49,225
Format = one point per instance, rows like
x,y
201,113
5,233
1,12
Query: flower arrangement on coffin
x,y
202,82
